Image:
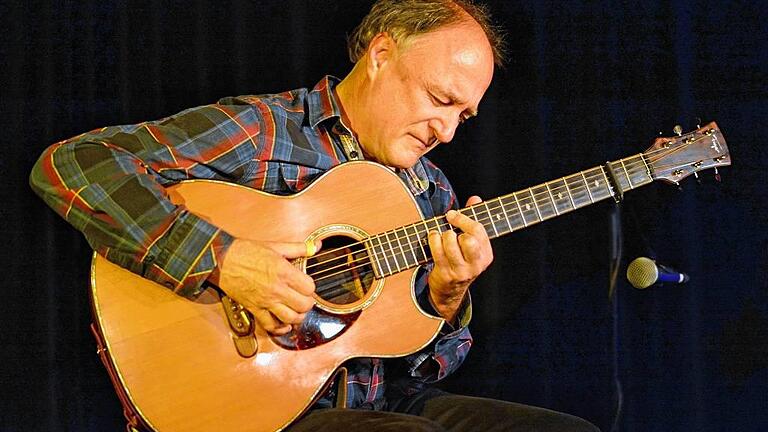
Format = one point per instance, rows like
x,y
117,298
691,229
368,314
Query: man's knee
x,y
352,420
497,415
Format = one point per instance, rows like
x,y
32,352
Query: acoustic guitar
x,y
182,365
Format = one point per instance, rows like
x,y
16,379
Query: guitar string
x,y
529,198
413,250
526,200
405,249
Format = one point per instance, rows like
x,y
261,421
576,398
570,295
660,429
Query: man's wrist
x,y
447,307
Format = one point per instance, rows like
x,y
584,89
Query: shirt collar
x,y
322,105
321,101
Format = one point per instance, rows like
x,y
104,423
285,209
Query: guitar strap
x,y
135,422
340,377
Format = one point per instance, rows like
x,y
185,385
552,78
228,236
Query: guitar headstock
x,y
673,159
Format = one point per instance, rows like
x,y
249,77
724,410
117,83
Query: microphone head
x,y
642,273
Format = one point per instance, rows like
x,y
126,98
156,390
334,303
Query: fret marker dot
x,y
559,195
527,206
597,183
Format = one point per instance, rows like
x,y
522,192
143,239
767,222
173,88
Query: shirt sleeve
x,y
110,184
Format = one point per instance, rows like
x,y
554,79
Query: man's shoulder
x,y
287,101
304,106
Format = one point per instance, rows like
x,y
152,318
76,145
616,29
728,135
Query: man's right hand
x,y
259,276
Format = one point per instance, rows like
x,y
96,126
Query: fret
x,y
552,198
377,270
394,254
620,175
407,250
544,206
384,256
562,196
436,226
570,195
579,190
607,182
618,178
481,219
399,246
626,173
642,175
513,212
586,185
391,253
474,215
424,257
504,211
492,218
520,208
535,205
647,167
599,189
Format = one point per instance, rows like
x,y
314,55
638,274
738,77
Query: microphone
x,y
644,272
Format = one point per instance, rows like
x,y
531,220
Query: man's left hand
x,y
459,260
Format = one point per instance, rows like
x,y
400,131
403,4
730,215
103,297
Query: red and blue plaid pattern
x,y
110,184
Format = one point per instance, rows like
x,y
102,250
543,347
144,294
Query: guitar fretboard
x,y
407,246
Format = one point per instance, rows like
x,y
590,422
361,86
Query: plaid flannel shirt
x,y
109,184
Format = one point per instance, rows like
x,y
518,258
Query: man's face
x,y
422,90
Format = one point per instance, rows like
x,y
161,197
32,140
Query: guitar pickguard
x,y
319,327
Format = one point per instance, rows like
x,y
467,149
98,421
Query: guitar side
x,y
175,358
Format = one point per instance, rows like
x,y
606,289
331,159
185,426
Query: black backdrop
x,y
588,81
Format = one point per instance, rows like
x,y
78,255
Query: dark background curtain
x,y
587,81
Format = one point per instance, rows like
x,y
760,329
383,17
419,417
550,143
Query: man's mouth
x,y
426,144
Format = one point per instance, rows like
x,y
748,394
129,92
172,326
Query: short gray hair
x,y
402,19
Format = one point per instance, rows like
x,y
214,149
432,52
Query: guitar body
x,y
183,365
175,359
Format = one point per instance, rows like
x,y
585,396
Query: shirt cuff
x,y
463,315
185,256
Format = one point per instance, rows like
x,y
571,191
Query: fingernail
x,y
311,248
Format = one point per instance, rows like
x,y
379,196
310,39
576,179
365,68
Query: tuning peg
x,y
698,122
717,175
678,130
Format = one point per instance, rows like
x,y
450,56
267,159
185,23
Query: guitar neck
x,y
407,247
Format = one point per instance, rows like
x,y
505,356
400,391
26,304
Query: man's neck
x,y
348,96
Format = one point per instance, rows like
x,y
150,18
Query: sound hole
x,y
341,270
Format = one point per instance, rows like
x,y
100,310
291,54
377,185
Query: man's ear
x,y
381,50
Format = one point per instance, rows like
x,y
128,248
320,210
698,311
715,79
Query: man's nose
x,y
444,128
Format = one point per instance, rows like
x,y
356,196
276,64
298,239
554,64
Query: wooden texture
x,y
175,357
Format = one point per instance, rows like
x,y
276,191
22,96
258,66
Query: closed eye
x,y
439,102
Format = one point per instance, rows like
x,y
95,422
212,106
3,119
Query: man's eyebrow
x,y
453,99
451,96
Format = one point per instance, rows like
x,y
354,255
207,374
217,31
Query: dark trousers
x,y
435,410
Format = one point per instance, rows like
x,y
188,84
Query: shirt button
x,y
149,258
353,154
